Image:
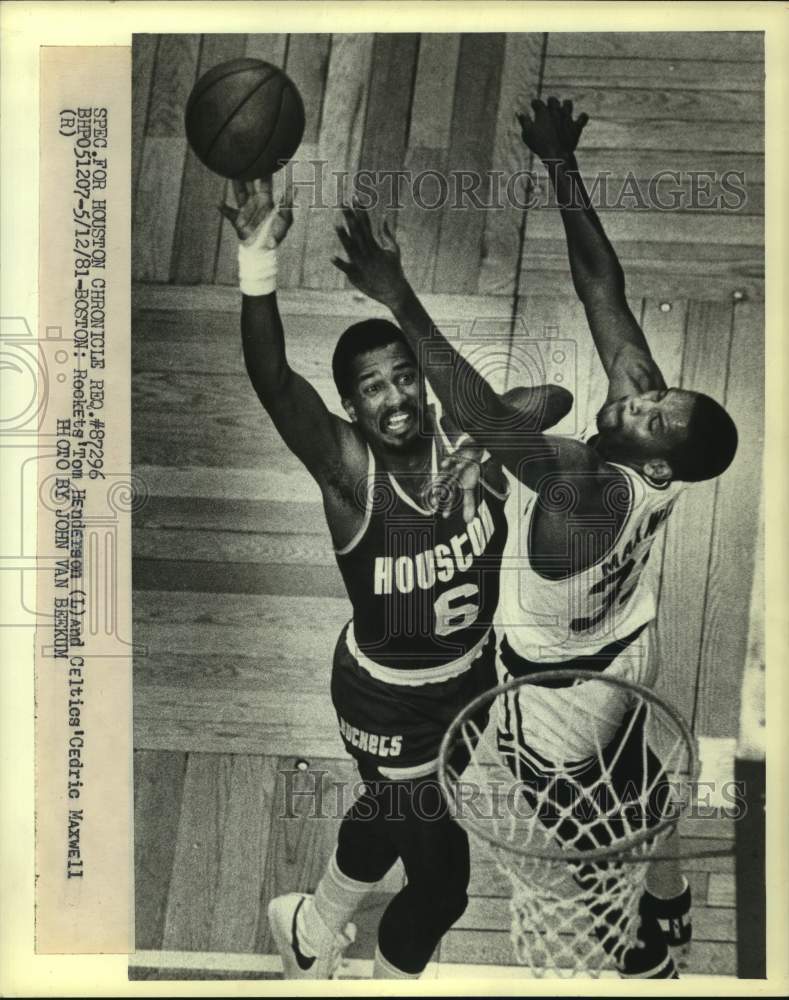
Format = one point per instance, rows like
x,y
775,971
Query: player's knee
x,y
454,906
369,864
447,901
441,893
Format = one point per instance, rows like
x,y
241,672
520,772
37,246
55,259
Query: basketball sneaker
x,y
650,957
673,916
283,912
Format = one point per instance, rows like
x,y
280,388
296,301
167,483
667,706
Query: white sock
x,y
329,910
662,895
383,969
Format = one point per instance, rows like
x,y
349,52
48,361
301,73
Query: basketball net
x,y
575,839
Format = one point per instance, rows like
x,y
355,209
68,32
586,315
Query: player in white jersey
x,y
546,619
580,535
581,595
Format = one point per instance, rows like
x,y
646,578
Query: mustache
x,y
405,408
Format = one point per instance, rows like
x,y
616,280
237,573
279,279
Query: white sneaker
x,y
282,914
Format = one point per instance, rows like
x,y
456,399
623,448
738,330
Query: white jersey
x,y
554,621
558,620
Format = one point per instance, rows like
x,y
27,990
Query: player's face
x,y
388,396
644,426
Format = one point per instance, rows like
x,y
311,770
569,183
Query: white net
x,y
575,838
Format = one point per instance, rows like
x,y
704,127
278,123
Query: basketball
x,y
244,119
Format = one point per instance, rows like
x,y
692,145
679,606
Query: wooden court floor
x,y
218,835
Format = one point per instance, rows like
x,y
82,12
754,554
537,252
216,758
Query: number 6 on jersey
x,y
452,616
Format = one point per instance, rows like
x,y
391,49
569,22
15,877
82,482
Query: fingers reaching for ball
x,y
373,265
288,198
240,192
255,215
229,212
387,238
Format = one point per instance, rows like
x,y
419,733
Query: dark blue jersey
x,y
424,588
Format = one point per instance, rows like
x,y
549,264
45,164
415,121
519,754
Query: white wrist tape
x,y
257,269
257,260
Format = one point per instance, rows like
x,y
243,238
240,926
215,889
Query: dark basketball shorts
x,y
395,730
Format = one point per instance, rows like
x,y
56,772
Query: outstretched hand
x,y
458,477
552,133
257,218
373,264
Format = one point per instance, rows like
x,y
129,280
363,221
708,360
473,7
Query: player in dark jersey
x,y
423,585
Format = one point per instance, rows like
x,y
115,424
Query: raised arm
x,y
315,435
510,428
552,134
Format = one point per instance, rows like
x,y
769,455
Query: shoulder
x,y
582,483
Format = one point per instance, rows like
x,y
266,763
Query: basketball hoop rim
x,y
616,851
